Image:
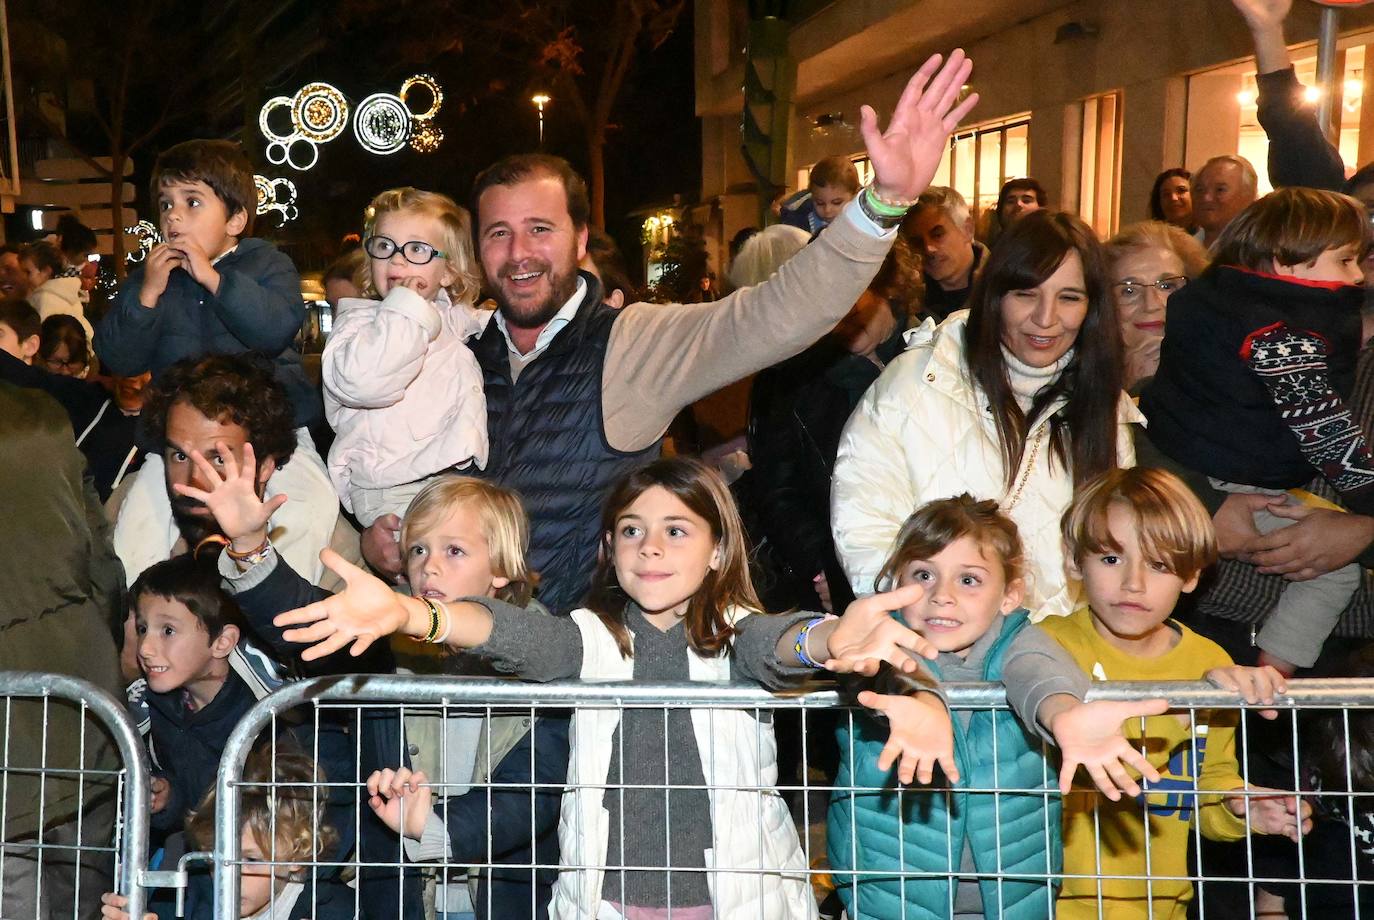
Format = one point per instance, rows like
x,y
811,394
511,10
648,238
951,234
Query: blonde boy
x,y
1138,538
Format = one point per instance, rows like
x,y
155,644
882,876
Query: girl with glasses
x,y
401,388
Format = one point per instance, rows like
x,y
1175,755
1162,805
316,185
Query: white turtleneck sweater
x,y
1026,380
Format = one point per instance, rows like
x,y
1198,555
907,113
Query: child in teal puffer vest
x,y
945,851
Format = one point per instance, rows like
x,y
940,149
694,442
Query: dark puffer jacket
x,y
548,443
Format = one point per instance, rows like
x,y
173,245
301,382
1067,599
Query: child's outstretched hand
x,y
1254,685
233,497
868,634
919,734
365,611
402,799
1089,735
1279,813
112,907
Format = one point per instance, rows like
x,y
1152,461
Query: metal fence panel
x,y
1226,879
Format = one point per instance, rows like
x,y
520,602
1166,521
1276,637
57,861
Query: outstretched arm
x,y
1089,735
662,358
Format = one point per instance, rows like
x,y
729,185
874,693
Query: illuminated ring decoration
x,y
381,123
274,103
146,233
264,190
429,83
314,154
425,137
319,112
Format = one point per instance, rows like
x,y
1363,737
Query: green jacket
x,y
60,591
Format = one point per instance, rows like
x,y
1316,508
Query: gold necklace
x,y
1027,465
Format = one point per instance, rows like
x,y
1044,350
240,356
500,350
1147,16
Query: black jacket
x,y
1299,153
798,410
1206,409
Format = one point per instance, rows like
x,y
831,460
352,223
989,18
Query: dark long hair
x,y
1083,435
1157,209
702,490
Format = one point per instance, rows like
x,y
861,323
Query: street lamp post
x,y
540,100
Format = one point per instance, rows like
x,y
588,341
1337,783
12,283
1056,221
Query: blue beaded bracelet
x,y
799,646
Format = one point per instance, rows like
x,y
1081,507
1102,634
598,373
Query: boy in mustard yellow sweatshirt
x,y
1138,539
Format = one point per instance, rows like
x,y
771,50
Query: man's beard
x,y
192,520
561,288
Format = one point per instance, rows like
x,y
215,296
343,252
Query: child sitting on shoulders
x,y
1257,363
283,825
899,856
1138,538
402,390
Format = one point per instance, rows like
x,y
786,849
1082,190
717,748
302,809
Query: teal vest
x,y
874,836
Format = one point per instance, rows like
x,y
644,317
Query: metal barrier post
x,y
132,848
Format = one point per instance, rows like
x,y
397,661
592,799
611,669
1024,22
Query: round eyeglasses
x,y
416,252
1134,291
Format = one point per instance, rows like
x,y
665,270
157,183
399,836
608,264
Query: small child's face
x,y
258,883
452,559
33,273
966,594
174,650
829,200
1341,264
426,280
190,213
10,344
1131,594
662,551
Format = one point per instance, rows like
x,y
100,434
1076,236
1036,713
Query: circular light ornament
x,y
145,232
276,195
263,186
436,94
319,112
381,123
264,114
425,137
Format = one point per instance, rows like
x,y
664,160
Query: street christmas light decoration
x,y
382,124
425,137
436,95
319,114
145,232
276,195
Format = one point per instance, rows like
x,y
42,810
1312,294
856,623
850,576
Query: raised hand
x,y
1089,735
919,735
197,263
365,611
1254,685
402,799
906,154
156,270
1263,14
868,634
1277,813
233,498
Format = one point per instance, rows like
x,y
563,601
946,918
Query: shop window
x,y
1099,176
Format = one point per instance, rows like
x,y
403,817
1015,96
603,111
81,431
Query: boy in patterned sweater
x,y
1257,363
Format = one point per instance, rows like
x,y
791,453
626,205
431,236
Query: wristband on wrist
x,y
882,213
799,647
244,557
434,617
448,623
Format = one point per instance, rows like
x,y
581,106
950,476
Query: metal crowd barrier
x,y
73,798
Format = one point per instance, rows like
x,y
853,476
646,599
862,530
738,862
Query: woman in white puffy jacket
x,y
402,390
1016,399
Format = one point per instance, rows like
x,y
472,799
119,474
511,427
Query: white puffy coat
x,y
754,841
61,295
923,432
402,390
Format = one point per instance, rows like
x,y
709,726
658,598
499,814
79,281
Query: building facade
x,y
1094,98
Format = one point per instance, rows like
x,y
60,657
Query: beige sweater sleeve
x,y
663,357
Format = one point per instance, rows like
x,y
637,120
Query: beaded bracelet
x,y
887,207
434,617
803,655
448,623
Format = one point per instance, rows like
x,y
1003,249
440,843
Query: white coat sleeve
x,y
376,348
872,493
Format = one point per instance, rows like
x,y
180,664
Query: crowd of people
x,y
980,448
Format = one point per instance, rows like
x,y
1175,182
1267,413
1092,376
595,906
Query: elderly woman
x,y
1147,262
1017,400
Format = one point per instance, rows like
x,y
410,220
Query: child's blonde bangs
x,y
1174,528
